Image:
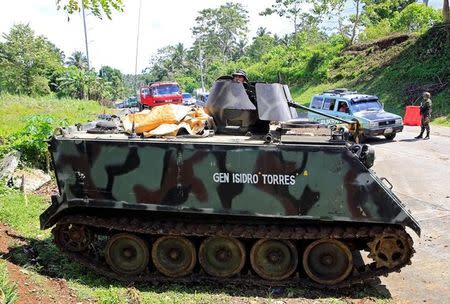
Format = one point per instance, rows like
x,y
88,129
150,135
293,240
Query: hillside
x,y
397,68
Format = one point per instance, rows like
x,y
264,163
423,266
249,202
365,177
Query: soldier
x,y
425,114
260,126
240,76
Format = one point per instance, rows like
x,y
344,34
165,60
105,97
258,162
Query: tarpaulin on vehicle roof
x,y
166,120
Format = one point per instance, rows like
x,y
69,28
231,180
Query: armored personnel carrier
x,y
263,198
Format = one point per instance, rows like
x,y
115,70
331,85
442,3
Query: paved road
x,y
420,173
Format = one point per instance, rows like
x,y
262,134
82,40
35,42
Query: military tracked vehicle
x,y
262,198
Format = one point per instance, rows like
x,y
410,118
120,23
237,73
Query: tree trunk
x,y
355,25
445,12
425,2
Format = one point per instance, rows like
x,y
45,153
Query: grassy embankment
x,y
39,256
398,73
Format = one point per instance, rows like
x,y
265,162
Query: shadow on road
x,y
43,257
411,139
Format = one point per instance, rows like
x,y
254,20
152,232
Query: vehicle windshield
x,y
166,89
366,105
186,95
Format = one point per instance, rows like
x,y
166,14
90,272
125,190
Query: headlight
x,y
373,124
398,121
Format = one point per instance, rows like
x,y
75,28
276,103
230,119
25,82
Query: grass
x,y
15,109
393,74
8,294
36,253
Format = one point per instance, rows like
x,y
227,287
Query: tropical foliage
x,y
31,65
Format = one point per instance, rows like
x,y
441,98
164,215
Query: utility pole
x,y
201,69
85,35
137,46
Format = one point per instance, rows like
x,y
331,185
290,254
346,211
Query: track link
x,y
92,258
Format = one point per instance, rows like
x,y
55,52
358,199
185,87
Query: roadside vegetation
x,y
27,122
8,293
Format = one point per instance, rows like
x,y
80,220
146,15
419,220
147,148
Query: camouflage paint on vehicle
x,y
215,175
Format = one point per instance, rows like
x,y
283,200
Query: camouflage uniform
x,y
425,113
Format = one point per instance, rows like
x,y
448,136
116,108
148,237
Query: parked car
x,y
367,109
202,98
127,103
188,100
159,93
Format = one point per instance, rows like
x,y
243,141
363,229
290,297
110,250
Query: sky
x,y
113,42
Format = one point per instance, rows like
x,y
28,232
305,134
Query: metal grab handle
x,y
387,181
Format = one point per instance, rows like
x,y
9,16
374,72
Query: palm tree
x,y
261,31
79,60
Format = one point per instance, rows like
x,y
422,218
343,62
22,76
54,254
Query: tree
x,y
446,11
114,83
97,7
219,30
27,62
376,10
415,17
79,60
289,9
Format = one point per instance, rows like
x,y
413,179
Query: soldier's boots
x,y
428,135
422,129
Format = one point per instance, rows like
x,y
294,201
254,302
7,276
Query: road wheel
x,y
390,136
327,261
274,259
222,256
127,254
174,256
71,237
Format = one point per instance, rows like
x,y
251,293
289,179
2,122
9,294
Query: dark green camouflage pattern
x,y
296,178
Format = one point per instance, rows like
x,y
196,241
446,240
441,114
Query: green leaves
x,y
219,30
96,7
31,140
27,62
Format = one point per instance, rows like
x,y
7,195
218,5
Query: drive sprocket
x,y
391,249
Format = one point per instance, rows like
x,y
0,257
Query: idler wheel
x,y
274,259
127,254
222,256
390,250
174,256
327,261
73,238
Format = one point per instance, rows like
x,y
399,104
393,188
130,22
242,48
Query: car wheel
x,y
390,136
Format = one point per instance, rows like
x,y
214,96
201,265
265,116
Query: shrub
x,y
416,17
31,140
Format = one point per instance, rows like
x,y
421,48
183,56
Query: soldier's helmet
x,y
240,73
426,95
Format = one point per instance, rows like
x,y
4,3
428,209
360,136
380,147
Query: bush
x,y
416,17
376,31
31,140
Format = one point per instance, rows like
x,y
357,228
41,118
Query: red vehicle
x,y
159,93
